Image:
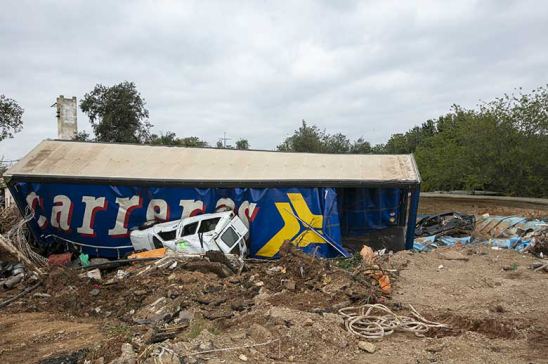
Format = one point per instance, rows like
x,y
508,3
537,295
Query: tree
x,y
336,143
502,147
170,138
82,136
117,113
313,140
242,144
10,117
305,139
192,141
378,149
360,146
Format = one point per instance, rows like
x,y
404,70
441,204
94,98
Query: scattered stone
x,y
497,308
435,348
259,333
218,314
289,284
167,358
206,345
185,316
140,292
238,336
128,355
276,269
243,357
367,346
70,358
94,292
162,309
121,274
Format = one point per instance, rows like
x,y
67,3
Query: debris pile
x,y
13,240
539,242
11,273
500,232
446,224
171,305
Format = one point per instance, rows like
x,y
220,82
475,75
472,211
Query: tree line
x,y
500,146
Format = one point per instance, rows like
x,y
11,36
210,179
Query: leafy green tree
x,y
336,143
305,139
314,140
82,136
242,144
167,138
11,115
378,149
502,147
361,146
193,142
170,138
117,113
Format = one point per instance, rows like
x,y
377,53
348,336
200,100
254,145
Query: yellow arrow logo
x,y
292,226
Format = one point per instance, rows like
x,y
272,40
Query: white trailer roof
x,y
100,162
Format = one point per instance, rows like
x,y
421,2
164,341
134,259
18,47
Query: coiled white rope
x,y
375,321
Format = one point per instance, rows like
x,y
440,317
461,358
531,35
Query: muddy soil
x,y
286,310
494,304
146,304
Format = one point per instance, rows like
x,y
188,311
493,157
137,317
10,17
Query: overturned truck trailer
x,y
91,195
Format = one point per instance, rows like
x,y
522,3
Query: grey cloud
x,y
255,69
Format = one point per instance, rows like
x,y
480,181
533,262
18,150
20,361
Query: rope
x,y
375,321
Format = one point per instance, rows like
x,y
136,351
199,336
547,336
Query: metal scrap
x,y
448,223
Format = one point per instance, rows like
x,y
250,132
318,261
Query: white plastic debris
x,y
94,274
121,274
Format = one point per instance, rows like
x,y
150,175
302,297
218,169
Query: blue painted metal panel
x,y
412,218
267,210
365,209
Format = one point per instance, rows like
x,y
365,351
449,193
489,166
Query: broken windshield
x,y
190,229
229,237
209,225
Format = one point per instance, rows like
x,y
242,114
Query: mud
x,y
285,311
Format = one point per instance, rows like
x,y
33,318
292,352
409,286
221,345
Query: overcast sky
x,y
254,69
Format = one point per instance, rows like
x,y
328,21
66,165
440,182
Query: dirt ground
x,y
439,204
284,311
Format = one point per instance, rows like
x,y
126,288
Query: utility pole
x,y
224,139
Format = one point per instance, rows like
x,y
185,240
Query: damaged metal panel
x,y
55,160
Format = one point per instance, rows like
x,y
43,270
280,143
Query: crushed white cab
x,y
223,231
